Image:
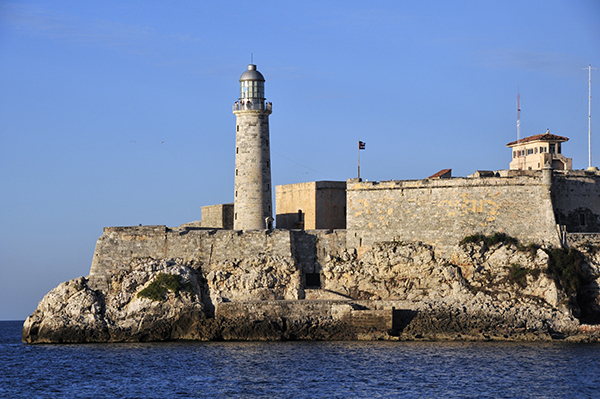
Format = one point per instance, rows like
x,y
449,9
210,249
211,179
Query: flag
x,y
361,145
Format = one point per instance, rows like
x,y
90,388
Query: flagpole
x,y
359,160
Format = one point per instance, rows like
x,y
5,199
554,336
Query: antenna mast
x,y
518,115
589,68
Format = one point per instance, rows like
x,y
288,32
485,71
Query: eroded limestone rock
x,y
73,312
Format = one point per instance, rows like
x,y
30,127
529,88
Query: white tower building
x,y
252,209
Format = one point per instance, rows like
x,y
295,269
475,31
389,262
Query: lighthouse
x,y
252,208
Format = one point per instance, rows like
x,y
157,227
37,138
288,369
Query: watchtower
x,y
252,209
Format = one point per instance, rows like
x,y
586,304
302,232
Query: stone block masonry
x,y
576,198
208,248
204,247
442,212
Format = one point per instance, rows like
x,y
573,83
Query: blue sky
x,y
119,112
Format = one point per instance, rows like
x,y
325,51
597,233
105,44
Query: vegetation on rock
x,y
163,283
498,238
518,274
490,240
565,267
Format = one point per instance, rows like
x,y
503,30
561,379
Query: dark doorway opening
x,y
313,280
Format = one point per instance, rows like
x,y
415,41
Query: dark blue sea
x,y
297,369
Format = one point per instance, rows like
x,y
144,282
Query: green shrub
x,y
163,283
490,240
475,238
564,266
531,249
518,275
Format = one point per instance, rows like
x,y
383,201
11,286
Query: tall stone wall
x,y
442,212
201,247
208,248
331,205
217,216
311,205
295,206
576,197
311,247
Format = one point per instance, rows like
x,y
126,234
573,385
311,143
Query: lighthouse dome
x,y
252,74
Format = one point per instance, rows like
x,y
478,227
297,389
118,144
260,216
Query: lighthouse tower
x,y
252,201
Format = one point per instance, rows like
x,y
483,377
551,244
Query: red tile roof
x,y
538,137
441,174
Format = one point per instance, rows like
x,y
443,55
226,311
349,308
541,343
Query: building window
x,y
536,150
552,149
558,148
530,151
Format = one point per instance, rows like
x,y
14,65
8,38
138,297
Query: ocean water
x,y
297,369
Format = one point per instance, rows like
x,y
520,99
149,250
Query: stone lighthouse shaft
x,y
252,199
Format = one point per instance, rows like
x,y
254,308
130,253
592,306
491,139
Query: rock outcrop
x,y
72,312
395,290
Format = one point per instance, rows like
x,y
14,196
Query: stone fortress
x,y
539,199
358,251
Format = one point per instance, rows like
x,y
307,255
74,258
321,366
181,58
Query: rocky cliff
x,y
484,288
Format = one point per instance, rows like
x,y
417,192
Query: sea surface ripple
x,y
297,369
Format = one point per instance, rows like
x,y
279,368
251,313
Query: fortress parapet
x,y
443,211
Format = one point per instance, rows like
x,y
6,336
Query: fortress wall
x,y
205,247
443,211
328,242
311,247
118,245
577,201
583,239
